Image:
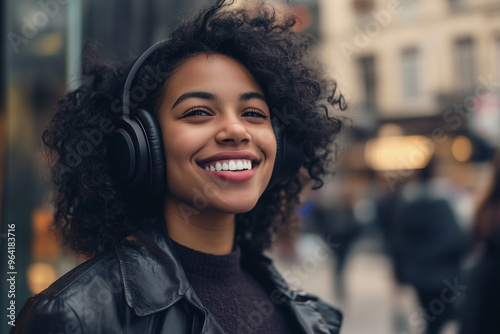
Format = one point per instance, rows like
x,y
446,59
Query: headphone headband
x,y
131,75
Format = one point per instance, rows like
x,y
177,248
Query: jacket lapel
x,y
152,277
154,280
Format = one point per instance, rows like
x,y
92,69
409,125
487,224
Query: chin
x,y
237,206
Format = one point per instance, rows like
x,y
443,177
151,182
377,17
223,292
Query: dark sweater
x,y
238,302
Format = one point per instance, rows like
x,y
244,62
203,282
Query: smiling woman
x,y
177,204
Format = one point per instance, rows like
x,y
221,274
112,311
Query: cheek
x,y
176,148
266,135
179,142
170,142
267,141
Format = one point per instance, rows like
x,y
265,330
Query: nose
x,y
232,132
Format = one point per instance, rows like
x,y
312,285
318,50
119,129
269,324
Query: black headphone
x,y
137,153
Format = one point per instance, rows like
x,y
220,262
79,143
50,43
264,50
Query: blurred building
x,y
416,67
412,59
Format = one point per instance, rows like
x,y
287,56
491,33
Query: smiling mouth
x,y
233,165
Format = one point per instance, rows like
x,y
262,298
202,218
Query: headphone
x,y
136,148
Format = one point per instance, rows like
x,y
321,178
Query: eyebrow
x,y
252,95
212,97
201,95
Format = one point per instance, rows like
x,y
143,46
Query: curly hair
x,y
92,211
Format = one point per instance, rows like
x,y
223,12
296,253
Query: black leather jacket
x,y
140,287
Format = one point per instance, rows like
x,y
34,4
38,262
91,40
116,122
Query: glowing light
x,y
49,44
461,148
40,276
399,152
44,245
390,130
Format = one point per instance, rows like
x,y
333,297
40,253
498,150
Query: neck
x,y
206,231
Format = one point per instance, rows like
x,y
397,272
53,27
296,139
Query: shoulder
x,y
76,298
98,274
47,314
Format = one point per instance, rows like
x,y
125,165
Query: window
x,y
411,73
457,4
363,7
367,70
362,10
465,68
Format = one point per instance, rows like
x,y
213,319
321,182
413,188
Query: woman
x,y
188,179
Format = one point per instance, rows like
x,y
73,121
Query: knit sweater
x,y
237,301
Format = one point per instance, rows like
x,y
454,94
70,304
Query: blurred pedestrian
x,y
337,225
480,311
428,247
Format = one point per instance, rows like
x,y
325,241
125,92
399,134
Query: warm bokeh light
x,y
461,148
390,130
40,276
399,152
44,244
49,44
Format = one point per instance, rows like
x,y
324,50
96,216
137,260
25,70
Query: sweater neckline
x,y
209,266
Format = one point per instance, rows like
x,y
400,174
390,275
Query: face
x,y
219,143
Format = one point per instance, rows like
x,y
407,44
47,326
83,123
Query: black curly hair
x,y
92,211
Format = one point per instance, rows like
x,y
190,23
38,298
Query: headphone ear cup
x,y
155,182
137,155
128,147
289,155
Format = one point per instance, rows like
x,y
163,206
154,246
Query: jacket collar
x,y
152,276
154,279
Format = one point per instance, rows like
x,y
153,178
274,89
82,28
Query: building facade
x,y
414,59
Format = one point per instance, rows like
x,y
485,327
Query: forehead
x,y
215,73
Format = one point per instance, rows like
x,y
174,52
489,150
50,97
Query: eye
x,y
254,113
196,111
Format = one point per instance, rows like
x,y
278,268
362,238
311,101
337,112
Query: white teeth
x,y
232,165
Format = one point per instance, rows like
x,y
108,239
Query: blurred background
x,y
389,232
